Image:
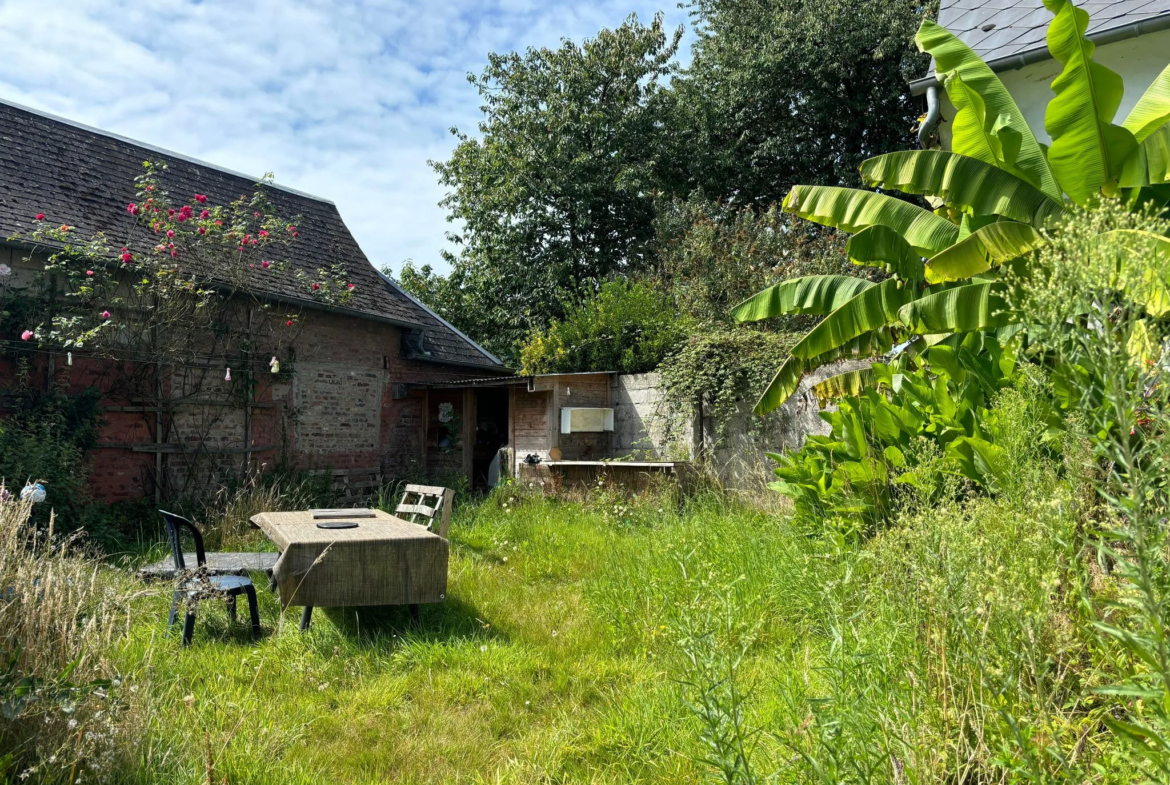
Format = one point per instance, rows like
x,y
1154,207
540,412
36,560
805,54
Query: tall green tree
x,y
556,192
781,92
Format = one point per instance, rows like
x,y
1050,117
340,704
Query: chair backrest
x,y
175,525
432,502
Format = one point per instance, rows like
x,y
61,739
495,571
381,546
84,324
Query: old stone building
x,y
357,401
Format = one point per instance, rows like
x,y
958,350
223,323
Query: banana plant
x,y
997,194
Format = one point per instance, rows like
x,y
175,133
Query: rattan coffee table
x,y
379,560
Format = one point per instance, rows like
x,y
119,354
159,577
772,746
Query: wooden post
x,y
469,436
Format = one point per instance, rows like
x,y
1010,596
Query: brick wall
x,y
336,409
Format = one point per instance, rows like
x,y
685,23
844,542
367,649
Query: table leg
x,y
306,617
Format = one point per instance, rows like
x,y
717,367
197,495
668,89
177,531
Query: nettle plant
x,y
997,197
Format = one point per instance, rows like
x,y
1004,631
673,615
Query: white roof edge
x,y
161,150
445,323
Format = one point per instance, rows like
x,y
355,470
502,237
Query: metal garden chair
x,y
201,584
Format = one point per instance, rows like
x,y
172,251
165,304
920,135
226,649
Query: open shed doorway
x,y
491,433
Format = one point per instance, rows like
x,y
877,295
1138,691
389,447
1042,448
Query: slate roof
x,y
85,177
1001,31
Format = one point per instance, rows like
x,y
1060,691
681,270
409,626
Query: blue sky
x,y
343,100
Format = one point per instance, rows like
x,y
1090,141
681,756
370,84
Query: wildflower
x,y
132,208
105,314
201,198
170,232
26,335
40,216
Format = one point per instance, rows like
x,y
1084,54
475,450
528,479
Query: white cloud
x,y
344,100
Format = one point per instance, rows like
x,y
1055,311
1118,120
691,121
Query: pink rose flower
x,y
263,233
265,264
26,335
170,232
132,208
105,314
89,272
174,253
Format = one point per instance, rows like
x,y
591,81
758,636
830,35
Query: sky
x,y
344,100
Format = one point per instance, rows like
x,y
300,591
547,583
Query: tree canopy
x,y
586,151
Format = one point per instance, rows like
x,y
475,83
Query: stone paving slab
x,y
217,564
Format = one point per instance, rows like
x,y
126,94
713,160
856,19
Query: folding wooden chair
x,y
433,501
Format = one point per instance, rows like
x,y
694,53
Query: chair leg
x,y
174,610
253,610
231,608
306,617
414,617
189,626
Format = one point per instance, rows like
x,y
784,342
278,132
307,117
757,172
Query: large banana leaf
x,y
881,246
1149,164
963,182
787,379
875,307
952,56
960,309
1088,150
989,247
1152,110
852,210
813,294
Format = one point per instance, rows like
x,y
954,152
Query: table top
x,y
300,528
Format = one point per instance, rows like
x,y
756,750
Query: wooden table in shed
x,y
382,560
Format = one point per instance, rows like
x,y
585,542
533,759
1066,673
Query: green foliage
x,y
996,191
557,192
891,438
720,371
45,439
713,255
845,64
627,327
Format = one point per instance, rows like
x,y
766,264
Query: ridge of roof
x,y
161,150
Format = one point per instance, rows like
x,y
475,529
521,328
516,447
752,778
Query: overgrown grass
x,y
652,640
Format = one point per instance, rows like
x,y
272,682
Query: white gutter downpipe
x,y
933,115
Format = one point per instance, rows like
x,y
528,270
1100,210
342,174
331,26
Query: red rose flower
x,y
126,257
265,264
202,230
132,208
201,198
40,216
349,286
316,287
170,232
289,323
170,211
263,233
205,214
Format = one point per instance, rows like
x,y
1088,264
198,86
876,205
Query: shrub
x,y
904,431
627,327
